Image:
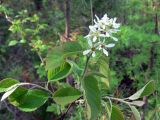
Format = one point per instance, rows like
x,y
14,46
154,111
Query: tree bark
x,y
149,71
67,18
156,31
151,63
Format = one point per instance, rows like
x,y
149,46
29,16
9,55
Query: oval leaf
x,y
13,42
116,113
6,83
11,89
66,95
8,93
28,100
136,113
60,72
54,108
137,103
104,70
92,95
32,100
16,96
145,91
54,58
71,47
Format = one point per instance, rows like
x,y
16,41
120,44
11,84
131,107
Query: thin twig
x,y
64,114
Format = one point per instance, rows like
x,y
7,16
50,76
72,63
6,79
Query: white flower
x,y
91,50
103,47
103,29
94,33
101,23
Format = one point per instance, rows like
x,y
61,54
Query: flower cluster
x,y
100,33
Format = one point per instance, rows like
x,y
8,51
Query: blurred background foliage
x,y
29,28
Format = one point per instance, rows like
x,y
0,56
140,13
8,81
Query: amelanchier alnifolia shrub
x,y
101,33
60,63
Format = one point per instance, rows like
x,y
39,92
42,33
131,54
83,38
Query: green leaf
x,y
96,74
76,69
104,70
92,96
136,113
148,89
17,95
60,72
6,83
71,47
28,100
54,58
11,89
8,92
116,113
67,95
54,108
13,42
108,108
33,99
22,41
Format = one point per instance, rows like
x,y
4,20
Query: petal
x,y
93,54
86,52
107,34
95,21
115,39
96,25
92,28
97,17
105,52
105,18
114,20
111,20
110,45
94,39
116,25
87,36
90,42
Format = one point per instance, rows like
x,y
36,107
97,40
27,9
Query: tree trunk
x,y
156,24
151,63
38,4
149,71
67,18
